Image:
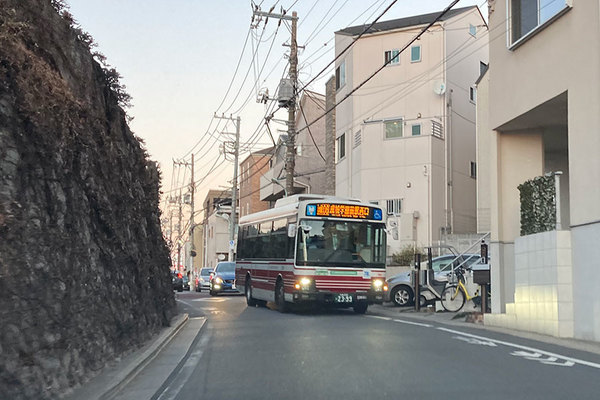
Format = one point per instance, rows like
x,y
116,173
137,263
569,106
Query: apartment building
x,y
309,172
406,139
537,115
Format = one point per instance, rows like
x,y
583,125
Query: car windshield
x,y
225,267
205,272
329,243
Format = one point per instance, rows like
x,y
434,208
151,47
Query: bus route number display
x,y
343,211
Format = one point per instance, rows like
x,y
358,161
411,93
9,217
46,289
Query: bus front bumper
x,y
338,299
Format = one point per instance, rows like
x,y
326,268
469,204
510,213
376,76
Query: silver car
x,y
203,280
400,291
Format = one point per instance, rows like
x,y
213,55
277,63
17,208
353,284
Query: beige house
x,y
406,139
538,114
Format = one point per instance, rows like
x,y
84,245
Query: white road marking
x,y
529,349
538,357
402,321
475,341
212,299
378,317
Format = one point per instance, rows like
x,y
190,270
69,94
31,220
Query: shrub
x,y
406,256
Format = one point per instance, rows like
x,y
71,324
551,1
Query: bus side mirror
x,y
292,230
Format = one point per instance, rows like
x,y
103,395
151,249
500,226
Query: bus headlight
x,y
303,284
378,285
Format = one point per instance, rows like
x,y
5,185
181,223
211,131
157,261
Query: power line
x,y
386,63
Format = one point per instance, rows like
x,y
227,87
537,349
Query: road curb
x,y
137,364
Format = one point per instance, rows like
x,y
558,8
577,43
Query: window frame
x,y
391,52
412,127
513,44
340,147
391,120
340,75
416,46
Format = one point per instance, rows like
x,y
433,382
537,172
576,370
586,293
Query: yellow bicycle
x,y
455,295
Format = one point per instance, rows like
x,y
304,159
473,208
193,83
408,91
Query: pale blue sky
x,y
177,58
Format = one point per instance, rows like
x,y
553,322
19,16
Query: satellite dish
x,y
439,87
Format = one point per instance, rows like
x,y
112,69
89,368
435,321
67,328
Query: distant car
x,y
186,283
223,278
400,291
177,279
203,280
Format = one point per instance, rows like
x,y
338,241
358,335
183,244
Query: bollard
x,y
417,282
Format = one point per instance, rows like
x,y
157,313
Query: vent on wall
x,y
357,139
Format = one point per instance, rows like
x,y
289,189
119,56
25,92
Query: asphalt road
x,y
258,353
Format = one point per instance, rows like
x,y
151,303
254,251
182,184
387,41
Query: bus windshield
x,y
341,243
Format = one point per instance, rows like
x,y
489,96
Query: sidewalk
x,y
115,377
465,318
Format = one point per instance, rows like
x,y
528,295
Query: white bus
x,y
313,248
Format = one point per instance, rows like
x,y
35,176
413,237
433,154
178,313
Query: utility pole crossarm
x,y
293,17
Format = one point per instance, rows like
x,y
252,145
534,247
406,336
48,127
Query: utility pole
x,y
179,235
192,190
191,203
236,153
291,143
290,156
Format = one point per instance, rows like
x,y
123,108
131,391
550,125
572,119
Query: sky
x,y
178,58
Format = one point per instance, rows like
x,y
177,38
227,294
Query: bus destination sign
x,y
343,211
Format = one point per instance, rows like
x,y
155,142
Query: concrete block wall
x,y
543,286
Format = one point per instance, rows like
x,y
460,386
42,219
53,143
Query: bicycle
x,y
455,295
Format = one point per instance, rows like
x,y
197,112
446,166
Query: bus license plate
x,y
343,298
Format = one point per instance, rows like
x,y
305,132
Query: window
x,y
472,30
472,94
473,169
392,56
340,75
340,147
393,129
415,53
357,139
394,206
526,15
416,130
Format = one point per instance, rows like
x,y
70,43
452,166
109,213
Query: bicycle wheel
x,y
453,299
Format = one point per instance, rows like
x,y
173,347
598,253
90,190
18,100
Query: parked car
x,y
223,278
400,291
177,280
203,280
185,283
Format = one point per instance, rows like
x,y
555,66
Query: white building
x,y
406,139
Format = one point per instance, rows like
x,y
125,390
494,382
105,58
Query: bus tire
x,y
249,299
280,303
361,308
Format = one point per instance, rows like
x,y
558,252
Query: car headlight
x,y
218,280
378,285
303,284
